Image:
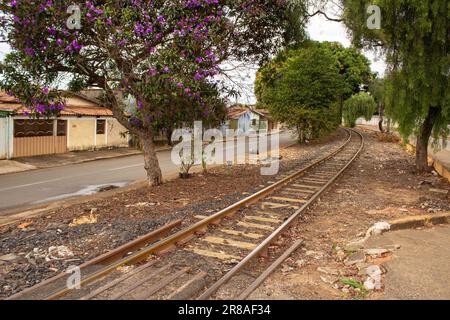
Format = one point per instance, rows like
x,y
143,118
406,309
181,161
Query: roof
x,y
77,105
236,111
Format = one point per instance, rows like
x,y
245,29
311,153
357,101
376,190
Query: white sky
x,y
319,29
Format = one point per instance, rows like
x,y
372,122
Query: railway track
x,y
198,261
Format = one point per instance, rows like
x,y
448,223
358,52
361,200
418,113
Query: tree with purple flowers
x,y
165,54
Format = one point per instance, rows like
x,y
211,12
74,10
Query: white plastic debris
x,y
378,228
58,253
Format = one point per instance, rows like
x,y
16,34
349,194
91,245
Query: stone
x,y
55,226
300,263
328,279
374,271
378,228
369,284
11,257
340,255
376,252
328,270
357,257
354,245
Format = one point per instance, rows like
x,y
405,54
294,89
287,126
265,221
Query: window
x,y
101,126
61,128
253,122
33,128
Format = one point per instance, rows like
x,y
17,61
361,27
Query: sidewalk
x,y
56,160
420,268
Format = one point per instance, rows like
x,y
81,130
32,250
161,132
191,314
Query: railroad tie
x,y
263,219
288,199
305,186
255,226
111,284
161,284
211,254
254,236
230,243
141,282
273,205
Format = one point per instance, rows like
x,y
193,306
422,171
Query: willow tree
x,y
414,35
357,106
159,52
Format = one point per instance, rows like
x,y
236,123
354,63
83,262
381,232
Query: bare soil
x,y
380,186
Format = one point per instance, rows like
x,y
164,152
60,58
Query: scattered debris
x,y
440,191
357,257
11,257
58,253
328,270
89,219
24,225
141,205
378,228
373,282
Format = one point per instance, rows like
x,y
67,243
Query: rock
x,y
327,270
58,253
378,228
55,226
358,257
354,245
300,263
340,255
374,280
369,284
11,257
374,271
328,280
376,252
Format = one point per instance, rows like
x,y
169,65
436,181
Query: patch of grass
x,y
352,283
363,292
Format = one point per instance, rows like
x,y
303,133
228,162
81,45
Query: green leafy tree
x,y
414,35
301,88
354,68
359,105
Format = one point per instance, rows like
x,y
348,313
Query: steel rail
x,y
200,226
266,243
110,256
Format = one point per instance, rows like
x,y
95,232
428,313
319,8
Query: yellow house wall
x,y
114,130
81,135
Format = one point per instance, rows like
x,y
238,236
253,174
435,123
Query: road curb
x,y
413,222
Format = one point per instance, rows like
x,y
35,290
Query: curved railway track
x,y
195,262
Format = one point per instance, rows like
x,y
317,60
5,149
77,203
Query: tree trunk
x,y
423,140
169,133
381,113
154,175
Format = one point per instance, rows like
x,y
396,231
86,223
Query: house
x,y
84,124
245,119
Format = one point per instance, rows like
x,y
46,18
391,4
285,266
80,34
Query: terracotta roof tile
x,y
10,104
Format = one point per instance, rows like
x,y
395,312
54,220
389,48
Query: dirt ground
x,y
380,186
39,248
